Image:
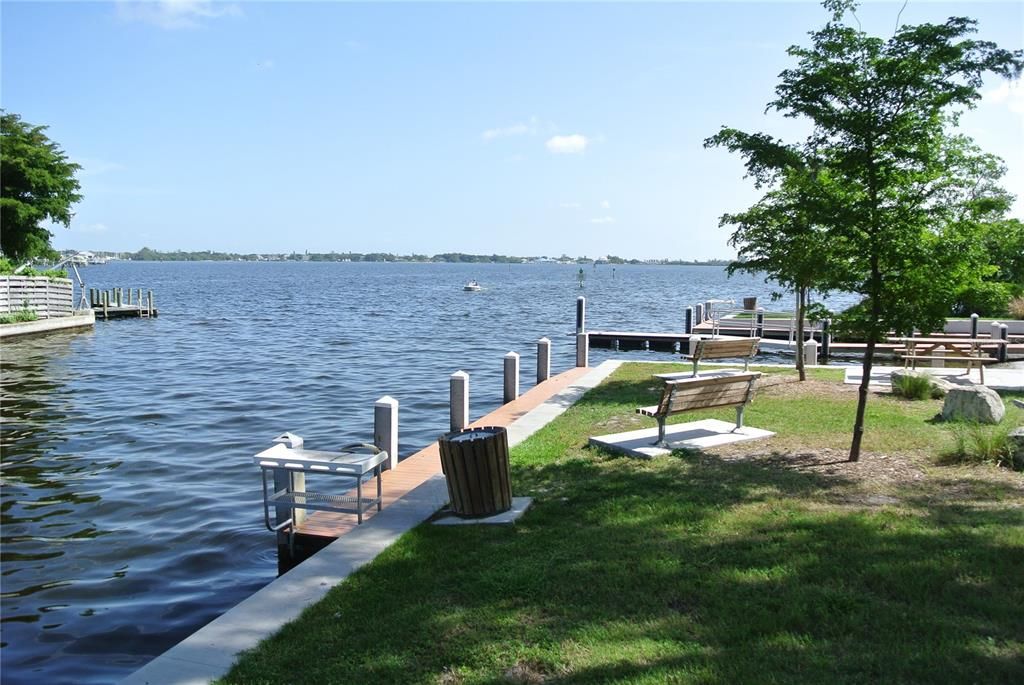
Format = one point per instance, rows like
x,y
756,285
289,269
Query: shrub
x,y
1016,307
974,443
21,316
915,387
988,298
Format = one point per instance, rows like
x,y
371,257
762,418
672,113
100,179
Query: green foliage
x,y
915,387
21,316
7,268
987,298
975,443
38,184
898,199
1003,279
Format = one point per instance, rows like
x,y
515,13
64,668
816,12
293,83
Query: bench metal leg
x,y
660,442
739,416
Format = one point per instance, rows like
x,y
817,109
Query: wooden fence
x,y
48,298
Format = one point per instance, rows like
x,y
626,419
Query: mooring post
x,y
938,363
688,320
458,393
581,314
543,360
974,325
128,300
292,481
698,314
810,352
826,340
92,298
994,330
759,325
385,428
1004,351
511,377
150,304
117,295
106,304
583,350
691,344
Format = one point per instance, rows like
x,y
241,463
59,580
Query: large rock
x,y
973,403
1017,444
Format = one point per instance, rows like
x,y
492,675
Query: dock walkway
x,y
416,469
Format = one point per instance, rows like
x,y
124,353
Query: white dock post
x,y
692,344
698,314
581,314
292,481
458,392
583,350
543,360
811,352
938,363
994,332
149,305
385,428
511,377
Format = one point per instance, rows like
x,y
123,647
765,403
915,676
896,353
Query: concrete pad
x,y
693,435
519,507
704,373
997,377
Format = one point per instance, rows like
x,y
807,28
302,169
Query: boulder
x,y
1017,444
973,403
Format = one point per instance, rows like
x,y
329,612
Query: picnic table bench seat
x,y
717,348
691,394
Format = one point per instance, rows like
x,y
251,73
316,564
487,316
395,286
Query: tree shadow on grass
x,y
679,570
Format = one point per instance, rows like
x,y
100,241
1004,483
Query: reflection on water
x,y
131,512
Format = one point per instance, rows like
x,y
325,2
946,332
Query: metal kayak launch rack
x,y
289,463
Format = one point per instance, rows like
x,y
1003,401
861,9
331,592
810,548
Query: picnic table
x,y
968,350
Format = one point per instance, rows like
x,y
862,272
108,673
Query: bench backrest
x,y
688,394
726,349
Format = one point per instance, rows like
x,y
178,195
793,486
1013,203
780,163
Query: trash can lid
x,y
472,434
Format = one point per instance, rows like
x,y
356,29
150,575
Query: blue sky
x,y
514,128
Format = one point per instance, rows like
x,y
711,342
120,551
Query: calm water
x,y
130,506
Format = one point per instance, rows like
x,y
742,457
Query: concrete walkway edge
x,y
210,652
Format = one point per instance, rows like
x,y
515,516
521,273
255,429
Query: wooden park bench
x,y
733,348
690,394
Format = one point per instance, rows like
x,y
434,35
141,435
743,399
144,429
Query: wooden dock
x,y
630,340
116,303
414,470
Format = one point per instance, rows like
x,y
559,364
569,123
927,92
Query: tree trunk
x,y
801,299
862,399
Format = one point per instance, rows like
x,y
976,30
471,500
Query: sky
x,y
526,129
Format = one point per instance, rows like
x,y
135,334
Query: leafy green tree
x,y
39,185
895,191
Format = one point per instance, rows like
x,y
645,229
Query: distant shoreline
x,y
148,255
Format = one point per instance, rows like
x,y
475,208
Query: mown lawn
x,y
768,562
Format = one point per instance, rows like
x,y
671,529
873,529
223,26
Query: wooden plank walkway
x,y
417,468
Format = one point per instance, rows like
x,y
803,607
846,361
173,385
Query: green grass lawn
x,y
768,562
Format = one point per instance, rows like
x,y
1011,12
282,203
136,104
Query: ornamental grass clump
x,y
974,443
1016,307
915,387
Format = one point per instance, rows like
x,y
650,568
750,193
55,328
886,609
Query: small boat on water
x,y
472,286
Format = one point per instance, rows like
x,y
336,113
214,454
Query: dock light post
x,y
974,325
583,350
810,352
458,387
385,428
1004,334
543,360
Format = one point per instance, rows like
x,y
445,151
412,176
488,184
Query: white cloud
x,y
567,145
1010,94
517,129
175,14
570,205
605,204
603,220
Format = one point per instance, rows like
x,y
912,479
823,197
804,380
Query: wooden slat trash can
x,y
475,465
